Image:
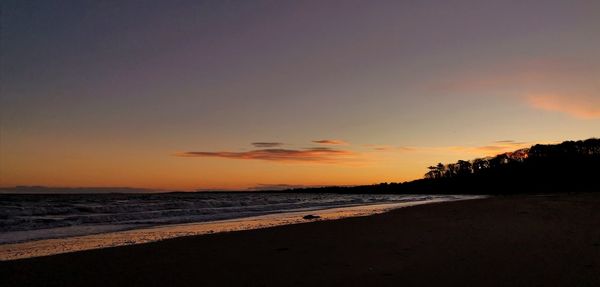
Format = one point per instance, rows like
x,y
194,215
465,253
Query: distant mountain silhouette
x,y
36,189
570,166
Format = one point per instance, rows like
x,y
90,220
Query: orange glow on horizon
x,y
238,170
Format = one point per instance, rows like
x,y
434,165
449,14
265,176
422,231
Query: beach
x,y
65,244
524,240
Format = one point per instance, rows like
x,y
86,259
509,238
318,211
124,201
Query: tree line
x,y
572,150
571,166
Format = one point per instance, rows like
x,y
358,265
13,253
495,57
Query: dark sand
x,y
505,241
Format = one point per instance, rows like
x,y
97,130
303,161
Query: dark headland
x,y
540,229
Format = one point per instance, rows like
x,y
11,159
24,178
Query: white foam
x,y
143,235
35,217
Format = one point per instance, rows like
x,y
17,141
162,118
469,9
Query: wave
x,y
42,216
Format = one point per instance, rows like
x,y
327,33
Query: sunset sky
x,y
251,94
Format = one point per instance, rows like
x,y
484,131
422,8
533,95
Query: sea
x,y
29,218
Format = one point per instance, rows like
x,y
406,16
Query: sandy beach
x,y
530,240
66,244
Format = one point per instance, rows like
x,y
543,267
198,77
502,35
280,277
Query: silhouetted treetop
x,y
565,167
551,152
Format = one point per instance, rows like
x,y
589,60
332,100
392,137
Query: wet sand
x,y
46,247
500,241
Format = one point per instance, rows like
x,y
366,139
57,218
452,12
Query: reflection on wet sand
x,y
137,236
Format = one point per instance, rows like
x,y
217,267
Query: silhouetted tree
x,y
480,164
568,166
463,167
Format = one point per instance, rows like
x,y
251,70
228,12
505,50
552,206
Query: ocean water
x,y
34,217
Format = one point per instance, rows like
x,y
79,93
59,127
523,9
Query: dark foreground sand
x,y
506,241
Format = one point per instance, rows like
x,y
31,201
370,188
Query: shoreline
x,y
53,246
524,240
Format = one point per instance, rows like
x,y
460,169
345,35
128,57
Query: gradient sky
x,y
240,94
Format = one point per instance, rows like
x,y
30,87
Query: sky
x,y
208,95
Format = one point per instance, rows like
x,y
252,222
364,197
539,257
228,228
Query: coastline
x,y
53,246
500,241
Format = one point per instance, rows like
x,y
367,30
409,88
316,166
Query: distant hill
x,y
72,190
570,166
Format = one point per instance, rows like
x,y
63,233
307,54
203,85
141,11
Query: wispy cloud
x,y
281,186
390,148
564,85
578,107
313,155
494,148
330,142
531,74
267,144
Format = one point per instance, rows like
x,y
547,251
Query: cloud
x,y
314,155
564,85
405,148
281,186
388,148
524,75
494,148
267,144
578,107
331,142
384,148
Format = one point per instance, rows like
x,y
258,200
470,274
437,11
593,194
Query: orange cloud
x,y
525,75
494,148
267,144
576,107
280,186
388,148
315,155
565,85
331,142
